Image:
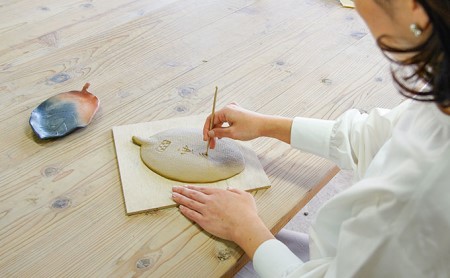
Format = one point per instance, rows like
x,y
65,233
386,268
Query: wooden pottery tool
x,y
211,123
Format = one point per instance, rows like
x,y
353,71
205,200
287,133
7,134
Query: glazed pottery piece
x,y
63,113
180,154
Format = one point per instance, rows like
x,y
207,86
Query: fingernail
x,y
211,133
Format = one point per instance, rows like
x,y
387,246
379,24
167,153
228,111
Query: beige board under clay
x,y
144,190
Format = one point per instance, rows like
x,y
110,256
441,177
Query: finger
x,y
236,190
212,139
191,214
219,119
223,132
203,189
206,128
190,193
187,202
212,143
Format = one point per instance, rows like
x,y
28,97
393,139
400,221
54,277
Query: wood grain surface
x,y
62,212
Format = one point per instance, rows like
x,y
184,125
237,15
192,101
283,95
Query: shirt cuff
x,y
273,259
312,135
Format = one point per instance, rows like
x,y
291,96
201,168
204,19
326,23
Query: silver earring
x,y
415,29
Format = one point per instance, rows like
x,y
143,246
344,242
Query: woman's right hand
x,y
242,124
245,125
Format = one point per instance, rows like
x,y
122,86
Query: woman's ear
x,y
418,14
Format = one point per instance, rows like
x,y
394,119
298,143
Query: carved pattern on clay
x,y
163,145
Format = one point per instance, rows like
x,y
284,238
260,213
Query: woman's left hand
x,y
229,214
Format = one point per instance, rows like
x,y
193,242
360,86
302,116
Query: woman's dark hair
x,y
431,61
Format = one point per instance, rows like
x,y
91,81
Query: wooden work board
x,y
145,190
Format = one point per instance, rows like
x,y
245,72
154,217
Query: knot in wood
x,y
327,81
60,77
50,171
186,92
61,203
144,263
224,254
181,109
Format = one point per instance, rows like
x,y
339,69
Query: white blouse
x,y
395,220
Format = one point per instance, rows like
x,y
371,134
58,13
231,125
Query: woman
x,y
394,221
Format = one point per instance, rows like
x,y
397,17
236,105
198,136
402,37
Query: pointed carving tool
x,y
211,124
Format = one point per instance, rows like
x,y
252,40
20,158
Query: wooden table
x,y
61,207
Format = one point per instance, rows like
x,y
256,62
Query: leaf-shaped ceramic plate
x,y
63,113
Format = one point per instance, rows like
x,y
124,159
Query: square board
x,y
144,190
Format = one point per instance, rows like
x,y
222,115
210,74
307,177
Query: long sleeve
x,y
351,141
394,222
274,259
